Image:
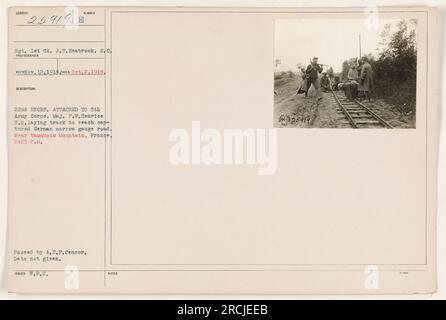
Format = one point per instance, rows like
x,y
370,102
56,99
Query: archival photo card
x,y
155,150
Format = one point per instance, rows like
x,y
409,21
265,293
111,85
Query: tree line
x,y
395,66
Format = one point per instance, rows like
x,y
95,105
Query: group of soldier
x,y
359,83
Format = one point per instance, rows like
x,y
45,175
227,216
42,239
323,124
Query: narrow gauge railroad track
x,y
357,114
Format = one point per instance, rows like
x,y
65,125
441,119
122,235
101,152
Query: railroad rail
x,y
357,114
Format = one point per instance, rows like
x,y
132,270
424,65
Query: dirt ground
x,y
297,111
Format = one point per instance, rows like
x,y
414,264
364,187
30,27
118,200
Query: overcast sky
x,y
332,40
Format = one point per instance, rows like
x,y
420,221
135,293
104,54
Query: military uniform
x,y
366,79
312,73
325,83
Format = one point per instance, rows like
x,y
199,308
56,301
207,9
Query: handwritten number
x,y
32,20
54,19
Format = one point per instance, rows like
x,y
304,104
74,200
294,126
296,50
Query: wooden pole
x,y
360,49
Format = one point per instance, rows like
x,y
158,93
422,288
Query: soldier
x,y
353,73
351,88
312,74
335,85
303,84
366,78
325,82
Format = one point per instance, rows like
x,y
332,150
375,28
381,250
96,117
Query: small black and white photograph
x,y
345,73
